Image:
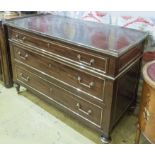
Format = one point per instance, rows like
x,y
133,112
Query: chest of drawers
x,y
87,69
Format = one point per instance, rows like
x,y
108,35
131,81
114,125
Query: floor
x,y
24,118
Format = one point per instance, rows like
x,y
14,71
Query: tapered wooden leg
x,y
138,133
17,86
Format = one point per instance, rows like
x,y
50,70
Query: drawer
x,y
82,57
80,107
77,79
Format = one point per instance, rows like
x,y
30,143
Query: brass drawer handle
x,y
17,36
147,114
23,39
89,112
24,78
92,61
91,84
23,57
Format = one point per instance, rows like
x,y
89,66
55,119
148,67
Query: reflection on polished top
x,y
108,39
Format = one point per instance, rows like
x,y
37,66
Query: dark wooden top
x,y
104,38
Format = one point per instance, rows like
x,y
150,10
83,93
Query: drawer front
x,y
77,105
62,50
81,81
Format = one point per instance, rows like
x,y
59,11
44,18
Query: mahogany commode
x,y
89,70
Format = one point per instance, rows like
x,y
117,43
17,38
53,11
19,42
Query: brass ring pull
x,y
91,84
24,78
23,57
92,61
147,114
89,112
